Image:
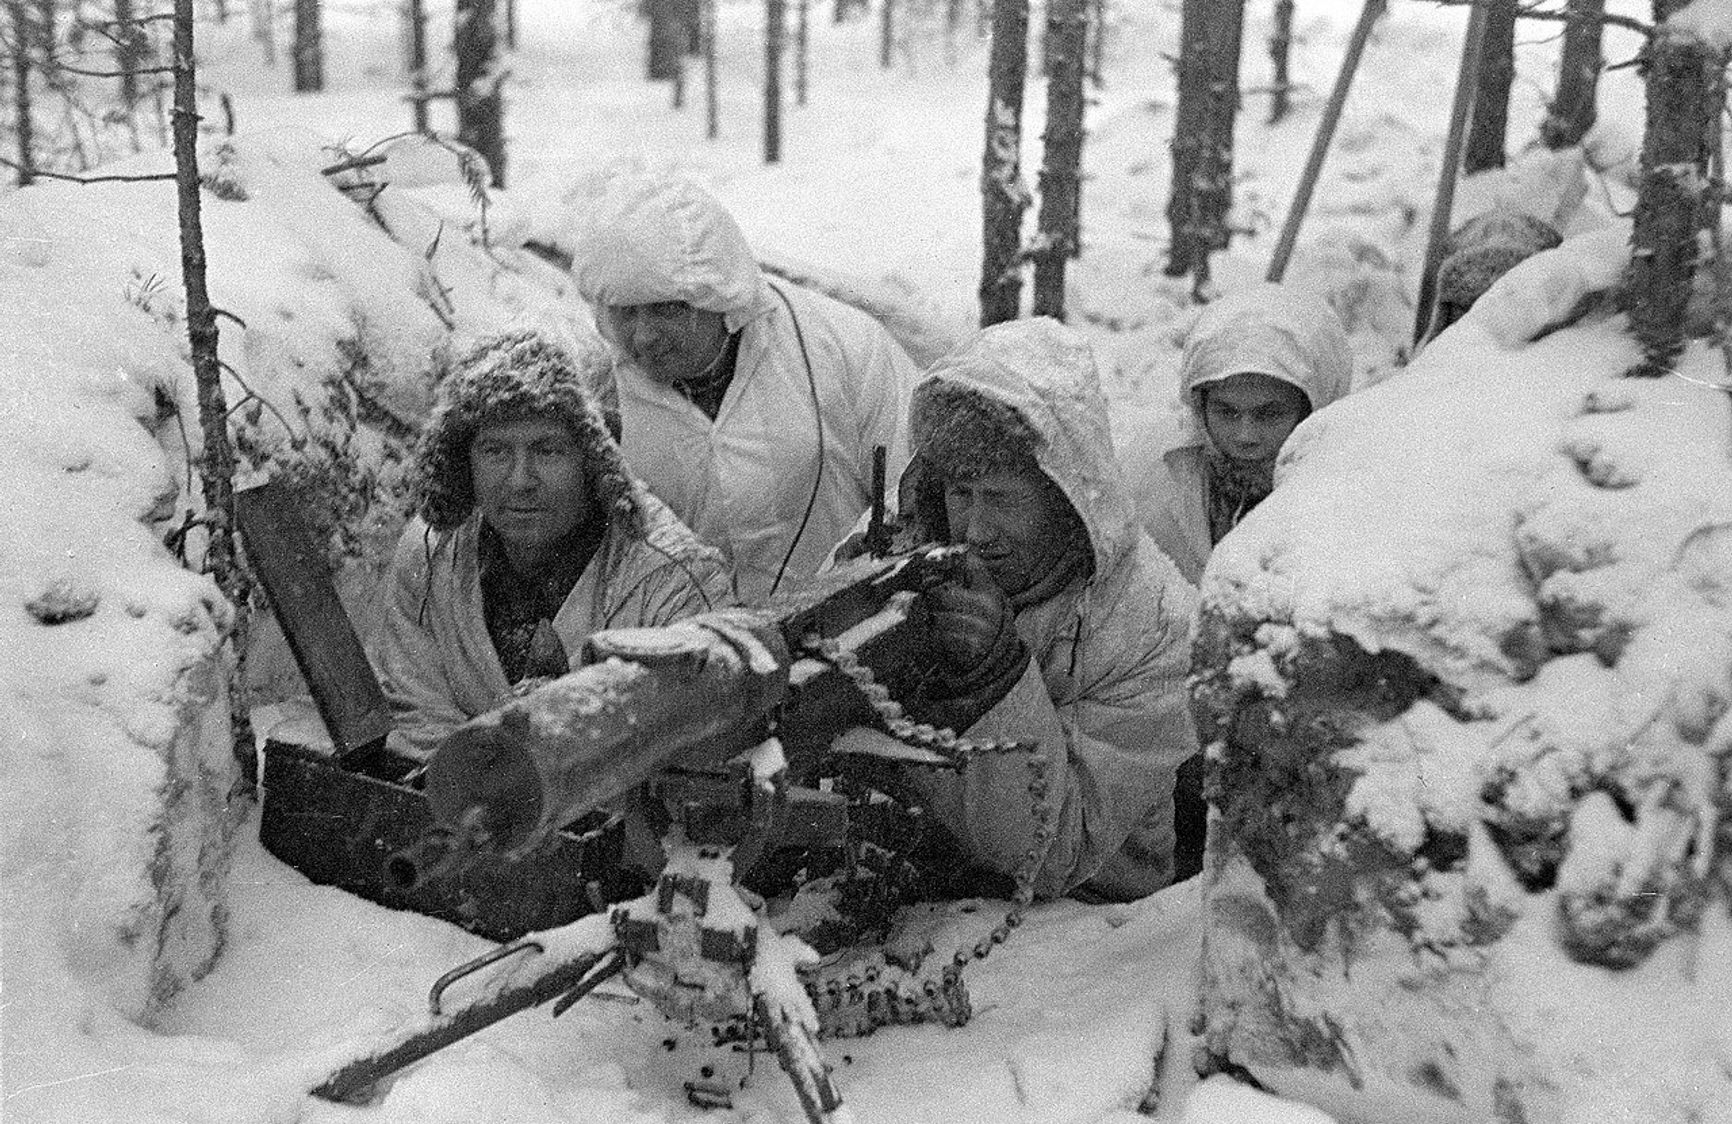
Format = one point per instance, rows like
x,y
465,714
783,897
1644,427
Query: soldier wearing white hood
x,y
1257,362
1070,631
750,407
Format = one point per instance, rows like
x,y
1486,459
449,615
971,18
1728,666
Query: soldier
x,y
749,406
1256,364
1070,630
530,535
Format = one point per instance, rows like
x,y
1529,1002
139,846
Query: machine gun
x,y
683,723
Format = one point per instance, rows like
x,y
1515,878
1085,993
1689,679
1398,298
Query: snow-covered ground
x,y
878,181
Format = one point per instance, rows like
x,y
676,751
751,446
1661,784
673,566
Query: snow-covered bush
x,y
1465,683
339,296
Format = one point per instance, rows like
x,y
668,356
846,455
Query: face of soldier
x,y
1012,520
670,341
531,484
1249,416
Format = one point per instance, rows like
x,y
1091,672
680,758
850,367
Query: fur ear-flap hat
x,y
1485,248
963,434
516,374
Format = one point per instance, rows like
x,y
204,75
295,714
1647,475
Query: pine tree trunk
x,y
417,28
712,112
309,48
1573,110
1280,50
1202,144
1003,196
1098,43
1061,159
265,29
691,26
800,50
774,16
1488,135
126,52
24,126
1677,203
665,40
217,461
478,81
886,33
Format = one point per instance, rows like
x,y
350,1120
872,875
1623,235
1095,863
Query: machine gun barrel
x,y
697,692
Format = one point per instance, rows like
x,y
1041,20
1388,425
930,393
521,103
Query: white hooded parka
x,y
785,467
1104,693
1266,329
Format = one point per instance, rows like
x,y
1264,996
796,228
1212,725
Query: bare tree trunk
x,y
417,28
679,83
774,16
1573,111
691,15
265,28
1202,192
1061,158
1098,44
309,48
1677,204
1003,195
511,25
479,82
217,462
712,112
1280,48
128,52
800,52
23,35
665,40
1489,133
886,33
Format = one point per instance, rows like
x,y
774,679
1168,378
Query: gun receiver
x,y
687,697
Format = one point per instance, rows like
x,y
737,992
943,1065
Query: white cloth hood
x,y
1271,330
660,238
1046,373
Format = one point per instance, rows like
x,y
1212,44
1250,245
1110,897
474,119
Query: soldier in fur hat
x,y
530,535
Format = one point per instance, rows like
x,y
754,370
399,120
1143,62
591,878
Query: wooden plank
x,y
291,565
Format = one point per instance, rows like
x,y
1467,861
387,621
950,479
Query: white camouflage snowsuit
x,y
1104,693
1266,329
785,468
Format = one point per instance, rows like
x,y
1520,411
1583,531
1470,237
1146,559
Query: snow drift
x,y
1464,681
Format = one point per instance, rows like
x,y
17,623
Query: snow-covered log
x,y
1465,683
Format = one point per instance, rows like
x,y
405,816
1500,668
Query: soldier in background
x,y
749,406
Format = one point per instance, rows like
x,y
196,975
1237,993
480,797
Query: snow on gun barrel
x,y
698,692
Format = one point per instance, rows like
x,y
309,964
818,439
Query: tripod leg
x,y
780,1004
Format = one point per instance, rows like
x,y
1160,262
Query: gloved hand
x,y
980,654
